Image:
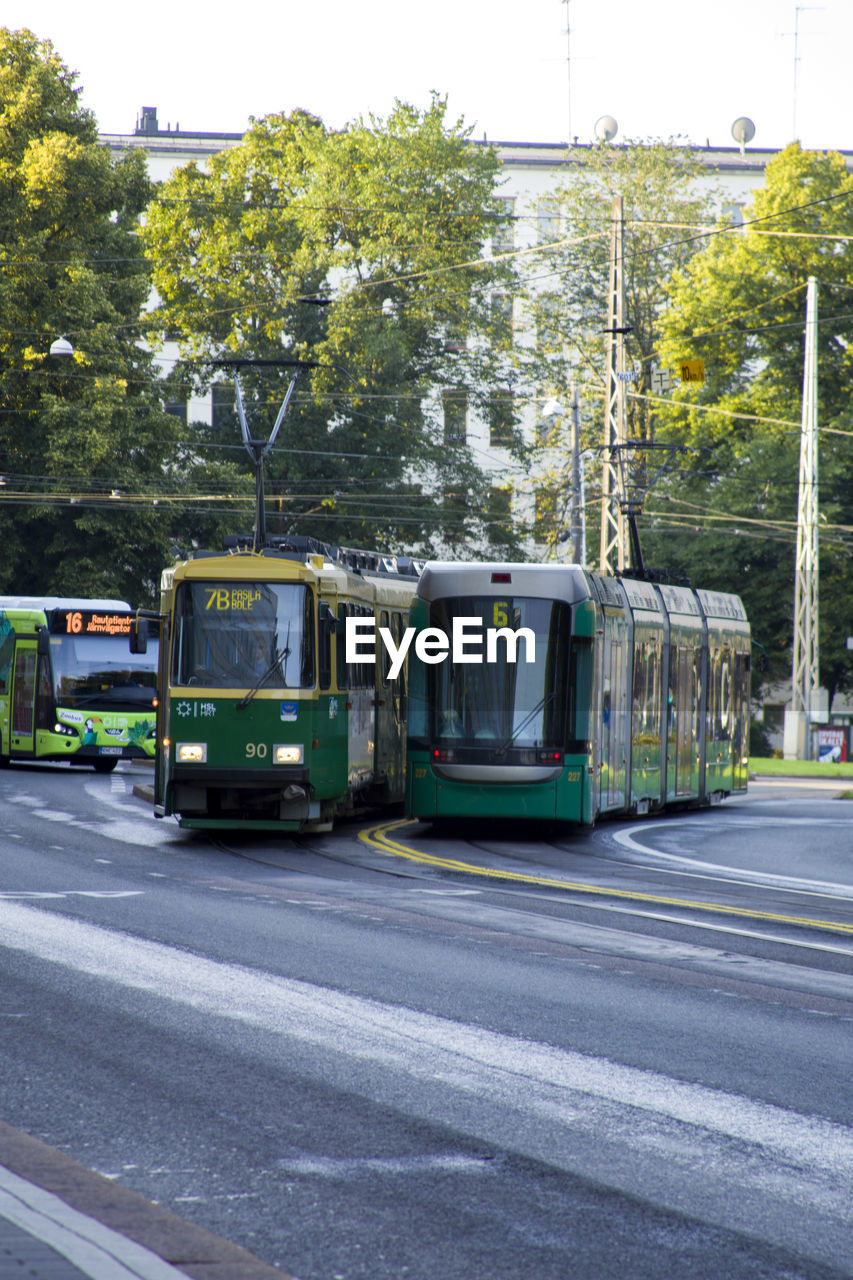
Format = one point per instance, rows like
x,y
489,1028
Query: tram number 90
x,y
256,751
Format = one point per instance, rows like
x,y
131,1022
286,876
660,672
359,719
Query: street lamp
x,y
61,347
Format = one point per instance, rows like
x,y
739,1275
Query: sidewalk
x,y
61,1221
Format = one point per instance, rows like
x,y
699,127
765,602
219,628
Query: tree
x,y
664,206
357,253
740,306
84,443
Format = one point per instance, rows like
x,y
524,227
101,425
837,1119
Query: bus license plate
x,y
111,751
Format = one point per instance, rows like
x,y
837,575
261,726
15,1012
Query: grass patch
x,y
800,768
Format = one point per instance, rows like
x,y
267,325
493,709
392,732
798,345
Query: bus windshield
x,y
229,635
101,670
502,705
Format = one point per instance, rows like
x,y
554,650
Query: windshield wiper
x,y
276,663
540,705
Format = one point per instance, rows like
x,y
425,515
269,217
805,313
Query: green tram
x,y
624,696
263,722
78,682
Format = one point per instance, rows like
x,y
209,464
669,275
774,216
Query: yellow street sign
x,y
692,370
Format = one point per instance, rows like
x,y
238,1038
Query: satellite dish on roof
x,y
606,128
743,131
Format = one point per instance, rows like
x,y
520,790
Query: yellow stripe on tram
x,y
378,837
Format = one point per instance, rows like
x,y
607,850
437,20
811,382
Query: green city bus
x,y
78,682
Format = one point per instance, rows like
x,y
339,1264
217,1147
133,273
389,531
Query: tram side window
x,y
383,655
341,641
740,701
368,669
358,670
418,706
720,691
646,719
326,623
353,675
306,653
580,695
398,626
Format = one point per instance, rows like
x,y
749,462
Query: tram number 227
x,y
256,751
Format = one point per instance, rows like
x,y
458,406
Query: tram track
x,y
405,862
380,837
696,942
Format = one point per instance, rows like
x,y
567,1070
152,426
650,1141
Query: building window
x,y
549,333
501,419
177,408
548,221
455,511
455,338
500,305
455,405
499,509
503,237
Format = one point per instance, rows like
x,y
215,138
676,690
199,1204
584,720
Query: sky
x,y
514,70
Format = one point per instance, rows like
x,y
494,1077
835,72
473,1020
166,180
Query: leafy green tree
x,y
85,444
740,306
357,253
664,207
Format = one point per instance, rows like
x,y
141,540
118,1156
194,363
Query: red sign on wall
x,y
832,744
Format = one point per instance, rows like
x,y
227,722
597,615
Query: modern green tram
x,y
263,722
624,697
78,682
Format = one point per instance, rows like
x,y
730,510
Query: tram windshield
x,y
93,671
231,634
503,706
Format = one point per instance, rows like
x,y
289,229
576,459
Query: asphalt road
x,y
494,1053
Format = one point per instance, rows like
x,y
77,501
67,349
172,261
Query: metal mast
x,y
613,524
806,675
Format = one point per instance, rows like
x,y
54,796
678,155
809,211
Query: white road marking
x,y
564,1086
342,1167
131,825
99,1252
9,894
819,888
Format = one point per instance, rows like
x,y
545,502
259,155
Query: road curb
x,y
192,1250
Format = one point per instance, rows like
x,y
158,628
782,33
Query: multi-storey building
x,y
531,173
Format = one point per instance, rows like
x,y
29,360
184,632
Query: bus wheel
x,y
105,766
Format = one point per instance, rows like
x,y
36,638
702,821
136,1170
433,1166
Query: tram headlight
x,y
284,754
191,752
